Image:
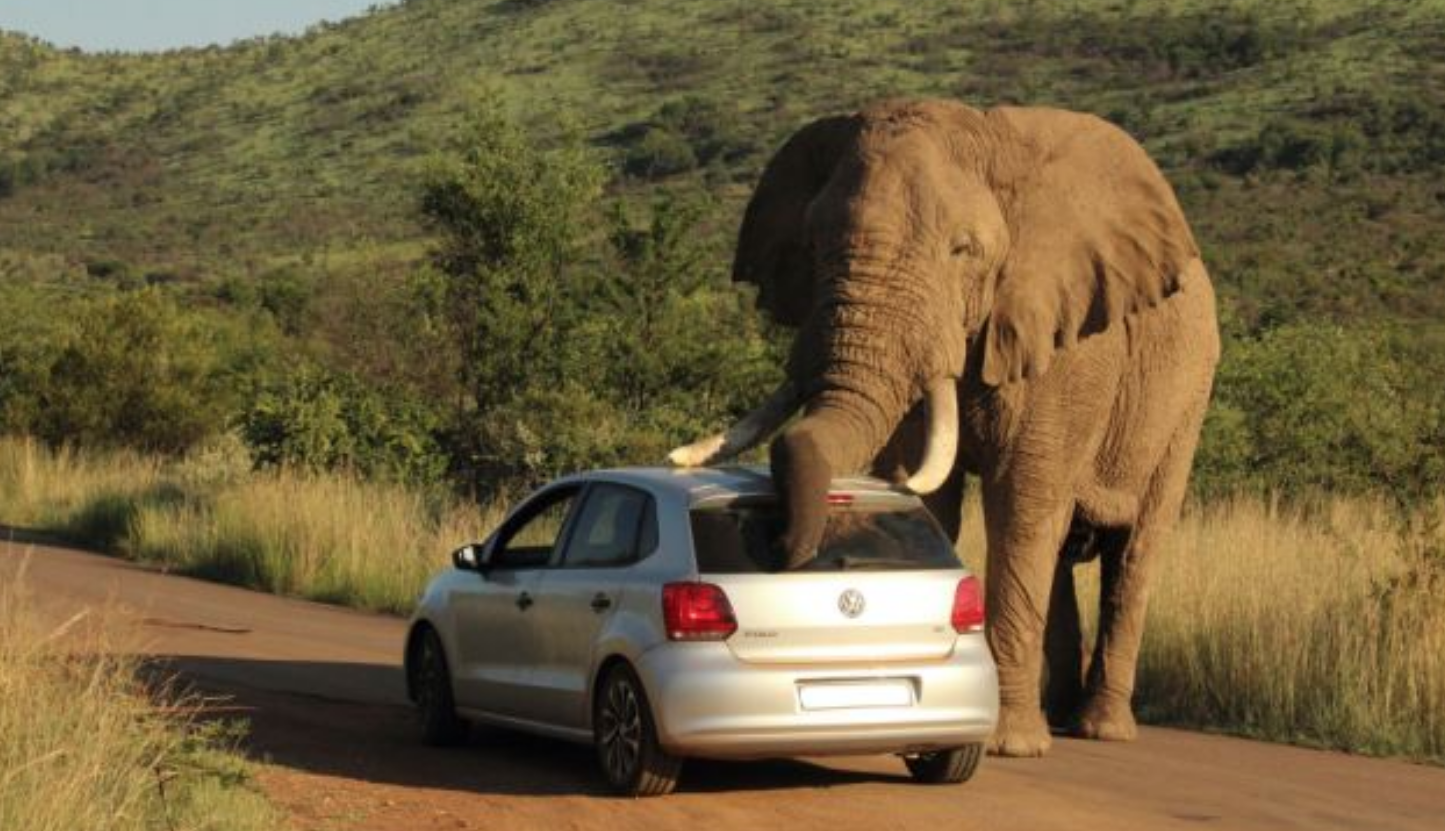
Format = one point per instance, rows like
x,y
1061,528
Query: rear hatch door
x,y
880,590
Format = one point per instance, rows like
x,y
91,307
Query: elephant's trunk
x,y
878,343
804,460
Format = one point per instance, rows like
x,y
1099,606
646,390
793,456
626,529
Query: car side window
x,y
534,534
616,526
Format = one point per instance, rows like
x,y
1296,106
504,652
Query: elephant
x,y
1012,294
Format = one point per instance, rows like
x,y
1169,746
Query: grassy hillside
x,y
1303,134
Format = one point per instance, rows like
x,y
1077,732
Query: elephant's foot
x,y
1021,733
1106,720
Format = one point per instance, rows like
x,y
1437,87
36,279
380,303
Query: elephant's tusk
x,y
744,435
942,448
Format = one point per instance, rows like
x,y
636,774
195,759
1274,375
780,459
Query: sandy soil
x,y
322,689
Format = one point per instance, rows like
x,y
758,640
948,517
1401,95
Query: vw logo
x,y
851,603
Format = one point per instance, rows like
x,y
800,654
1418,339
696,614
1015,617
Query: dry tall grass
x,y
1320,624
331,538
83,744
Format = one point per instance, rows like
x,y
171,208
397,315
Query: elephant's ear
x,y
1097,235
770,251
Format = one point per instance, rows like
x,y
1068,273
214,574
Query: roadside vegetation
x,y
329,537
1318,624
1309,621
302,314
85,743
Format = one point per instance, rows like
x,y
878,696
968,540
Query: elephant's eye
x,y
965,246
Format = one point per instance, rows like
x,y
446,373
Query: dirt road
x,y
323,690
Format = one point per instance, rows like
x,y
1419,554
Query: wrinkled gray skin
x,y
1039,258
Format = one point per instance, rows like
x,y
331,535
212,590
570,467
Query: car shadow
x,y
298,720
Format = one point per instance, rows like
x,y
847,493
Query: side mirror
x,y
472,557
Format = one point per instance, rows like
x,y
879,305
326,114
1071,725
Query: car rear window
x,y
746,540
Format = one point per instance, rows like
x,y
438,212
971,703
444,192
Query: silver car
x,y
643,611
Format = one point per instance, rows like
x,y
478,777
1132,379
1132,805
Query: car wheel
x,y
945,767
432,684
626,737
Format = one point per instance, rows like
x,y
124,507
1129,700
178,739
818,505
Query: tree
x,y
511,219
683,354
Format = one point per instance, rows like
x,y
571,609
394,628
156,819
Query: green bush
x,y
131,370
684,134
660,152
1404,134
319,421
678,354
1309,407
1292,144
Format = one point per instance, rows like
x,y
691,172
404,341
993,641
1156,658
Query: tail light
x,y
697,612
967,606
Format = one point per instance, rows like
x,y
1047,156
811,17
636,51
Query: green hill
x,y
1306,137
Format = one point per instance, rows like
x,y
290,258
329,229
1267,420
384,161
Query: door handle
x,y
601,603
524,601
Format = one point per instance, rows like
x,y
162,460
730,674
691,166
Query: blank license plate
x,y
849,696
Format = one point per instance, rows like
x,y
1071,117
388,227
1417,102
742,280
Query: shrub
x,y
1290,144
319,421
132,370
1306,407
1404,134
660,152
684,134
286,297
680,356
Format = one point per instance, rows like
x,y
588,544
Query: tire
x,y
432,685
945,767
625,734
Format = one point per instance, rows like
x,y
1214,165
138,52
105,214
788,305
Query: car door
x,y
498,640
616,526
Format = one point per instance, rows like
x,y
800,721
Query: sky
x,y
150,25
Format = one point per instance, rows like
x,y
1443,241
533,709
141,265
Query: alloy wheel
x,y
621,737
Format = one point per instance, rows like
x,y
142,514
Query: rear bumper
x,y
708,703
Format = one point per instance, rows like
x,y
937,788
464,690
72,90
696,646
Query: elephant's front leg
x,y
1024,535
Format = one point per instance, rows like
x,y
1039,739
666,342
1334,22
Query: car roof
x,y
724,483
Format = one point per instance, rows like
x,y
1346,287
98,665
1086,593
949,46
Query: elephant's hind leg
x,y
1126,564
